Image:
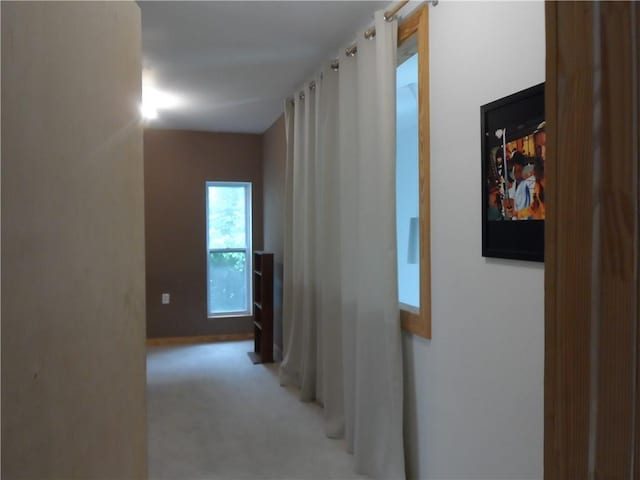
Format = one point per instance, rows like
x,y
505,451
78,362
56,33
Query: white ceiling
x,y
231,64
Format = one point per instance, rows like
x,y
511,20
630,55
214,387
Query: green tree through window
x,y
229,249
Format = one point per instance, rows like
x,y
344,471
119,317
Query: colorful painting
x,y
513,193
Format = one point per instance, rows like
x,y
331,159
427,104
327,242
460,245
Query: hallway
x,y
213,414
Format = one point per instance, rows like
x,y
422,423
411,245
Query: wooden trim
x,y
225,337
636,473
409,26
636,20
410,321
592,240
418,23
425,173
552,439
620,220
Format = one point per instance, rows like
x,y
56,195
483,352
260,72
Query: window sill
x,y
231,315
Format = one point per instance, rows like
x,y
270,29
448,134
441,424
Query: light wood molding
x,y
409,26
226,337
592,288
418,24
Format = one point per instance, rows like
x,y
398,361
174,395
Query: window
x,y
412,174
228,248
407,188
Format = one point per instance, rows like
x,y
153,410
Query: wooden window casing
x,y
418,24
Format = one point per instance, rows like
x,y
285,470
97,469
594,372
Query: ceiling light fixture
x,y
148,112
154,100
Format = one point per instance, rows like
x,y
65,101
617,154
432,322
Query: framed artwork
x,y
513,182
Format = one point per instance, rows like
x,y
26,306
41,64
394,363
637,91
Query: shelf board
x,y
262,301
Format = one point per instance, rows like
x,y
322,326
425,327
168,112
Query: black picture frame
x,y
506,124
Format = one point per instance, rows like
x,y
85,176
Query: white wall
x,y
474,393
73,337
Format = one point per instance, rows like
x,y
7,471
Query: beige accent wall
x,y
273,169
73,311
177,165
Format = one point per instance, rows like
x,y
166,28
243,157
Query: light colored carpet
x,y
212,414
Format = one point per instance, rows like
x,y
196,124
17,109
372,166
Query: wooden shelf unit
x,y
262,308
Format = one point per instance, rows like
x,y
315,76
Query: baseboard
x,y
224,337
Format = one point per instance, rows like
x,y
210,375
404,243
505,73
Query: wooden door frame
x,y
592,342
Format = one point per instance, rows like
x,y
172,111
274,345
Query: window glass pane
x,y
227,282
228,248
227,220
407,186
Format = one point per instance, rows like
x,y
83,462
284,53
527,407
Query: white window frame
x,y
248,248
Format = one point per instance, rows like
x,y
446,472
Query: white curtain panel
x,y
341,317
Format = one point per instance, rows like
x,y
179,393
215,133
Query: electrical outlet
x,y
165,298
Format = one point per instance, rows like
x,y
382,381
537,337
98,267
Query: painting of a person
x,y
530,192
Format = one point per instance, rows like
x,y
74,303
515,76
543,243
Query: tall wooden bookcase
x,y
262,308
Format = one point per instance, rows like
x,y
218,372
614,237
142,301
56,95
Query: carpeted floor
x,y
212,414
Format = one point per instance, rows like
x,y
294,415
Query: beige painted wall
x,y
73,355
274,154
177,165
